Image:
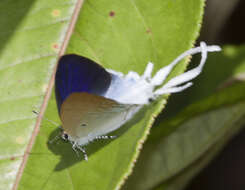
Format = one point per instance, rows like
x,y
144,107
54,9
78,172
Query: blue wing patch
x,y
79,74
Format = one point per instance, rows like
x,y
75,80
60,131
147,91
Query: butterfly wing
x,y
79,74
85,116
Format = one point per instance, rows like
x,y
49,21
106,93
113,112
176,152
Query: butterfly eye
x,y
65,136
150,100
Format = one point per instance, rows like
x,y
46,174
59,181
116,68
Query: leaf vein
x,y
145,25
27,60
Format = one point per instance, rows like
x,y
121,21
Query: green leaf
x,y
31,34
122,35
182,179
178,141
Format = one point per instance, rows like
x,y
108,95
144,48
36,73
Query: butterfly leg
x,y
84,152
75,146
105,137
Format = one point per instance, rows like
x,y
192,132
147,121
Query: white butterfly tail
x,y
171,85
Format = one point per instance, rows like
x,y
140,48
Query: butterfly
x,y
93,101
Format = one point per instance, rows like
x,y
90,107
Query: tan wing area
x,y
84,114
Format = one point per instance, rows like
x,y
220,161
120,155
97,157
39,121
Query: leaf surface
x,y
121,35
31,35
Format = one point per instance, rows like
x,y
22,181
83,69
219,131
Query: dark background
x,y
224,23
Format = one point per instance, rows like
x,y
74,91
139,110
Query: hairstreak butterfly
x,y
93,101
